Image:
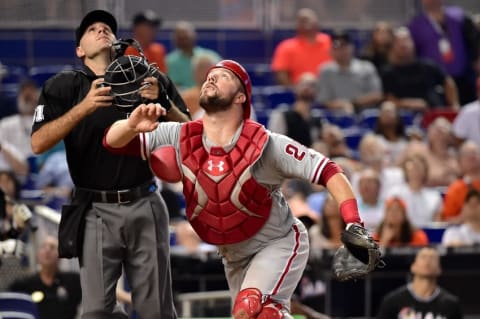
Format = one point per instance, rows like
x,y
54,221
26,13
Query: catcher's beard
x,y
216,103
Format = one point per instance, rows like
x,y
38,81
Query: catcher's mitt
x,y
358,256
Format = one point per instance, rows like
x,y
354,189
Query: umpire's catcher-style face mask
x,y
126,76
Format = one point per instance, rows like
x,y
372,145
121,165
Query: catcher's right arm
x,y
358,256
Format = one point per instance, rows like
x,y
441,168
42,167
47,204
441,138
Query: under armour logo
x,y
219,166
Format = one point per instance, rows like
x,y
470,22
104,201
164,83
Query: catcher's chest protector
x,y
225,205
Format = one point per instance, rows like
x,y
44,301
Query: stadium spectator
x,y
377,48
10,184
54,180
15,131
424,204
7,103
468,232
13,218
396,229
145,25
373,155
179,61
414,84
348,84
298,121
296,192
469,159
422,297
370,205
389,126
443,167
466,125
200,65
305,52
334,139
326,233
56,293
448,36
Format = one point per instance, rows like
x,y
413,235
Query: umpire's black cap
x,y
91,18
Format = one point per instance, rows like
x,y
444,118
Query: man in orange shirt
x,y
305,52
145,26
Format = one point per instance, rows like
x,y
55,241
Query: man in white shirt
x,y
15,131
466,125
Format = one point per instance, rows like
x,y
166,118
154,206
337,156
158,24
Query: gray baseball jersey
x,y
272,260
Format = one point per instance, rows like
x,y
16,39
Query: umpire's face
x,y
97,38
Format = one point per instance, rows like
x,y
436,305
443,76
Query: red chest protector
x,y
225,205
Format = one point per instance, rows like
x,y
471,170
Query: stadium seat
x,y
15,305
408,118
40,74
435,232
11,77
353,136
341,119
13,74
260,74
262,115
277,94
368,118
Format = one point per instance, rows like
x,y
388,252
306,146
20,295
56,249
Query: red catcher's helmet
x,y
242,75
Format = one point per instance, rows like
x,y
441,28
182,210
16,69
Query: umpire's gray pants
x,y
134,235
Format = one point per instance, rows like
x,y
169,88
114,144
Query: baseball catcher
x,y
358,256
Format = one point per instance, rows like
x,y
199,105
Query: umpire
x,y
116,218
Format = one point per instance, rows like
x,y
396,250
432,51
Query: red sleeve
x,y
349,211
132,148
330,169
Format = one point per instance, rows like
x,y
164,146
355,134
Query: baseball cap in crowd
x,y
340,38
91,18
147,16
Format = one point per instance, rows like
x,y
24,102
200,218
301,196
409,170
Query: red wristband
x,y
349,211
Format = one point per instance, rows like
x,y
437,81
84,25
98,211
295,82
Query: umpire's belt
x,y
123,196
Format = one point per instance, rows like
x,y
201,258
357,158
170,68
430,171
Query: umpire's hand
x,y
150,89
98,96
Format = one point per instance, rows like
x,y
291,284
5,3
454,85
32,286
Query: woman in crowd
x,y
396,229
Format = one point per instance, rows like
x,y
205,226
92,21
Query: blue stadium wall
x,y
56,46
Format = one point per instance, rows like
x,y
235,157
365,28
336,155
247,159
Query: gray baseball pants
x,y
135,236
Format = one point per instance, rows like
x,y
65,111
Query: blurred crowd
x,y
413,91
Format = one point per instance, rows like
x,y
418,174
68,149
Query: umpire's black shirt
x,y
90,164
